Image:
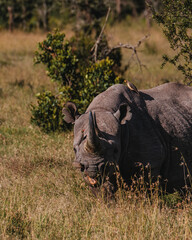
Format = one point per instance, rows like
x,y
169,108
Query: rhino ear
x,y
70,112
123,113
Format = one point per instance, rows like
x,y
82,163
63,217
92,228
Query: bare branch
x,y
120,45
131,47
95,47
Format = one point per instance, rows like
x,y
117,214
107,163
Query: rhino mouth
x,y
99,177
93,175
91,181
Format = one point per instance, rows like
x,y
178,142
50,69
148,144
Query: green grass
x,y
41,195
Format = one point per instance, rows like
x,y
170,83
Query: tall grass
x,y
41,195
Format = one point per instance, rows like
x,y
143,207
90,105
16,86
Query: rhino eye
x,y
84,137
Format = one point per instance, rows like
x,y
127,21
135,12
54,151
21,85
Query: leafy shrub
x,y
176,19
58,57
81,46
79,79
47,114
97,78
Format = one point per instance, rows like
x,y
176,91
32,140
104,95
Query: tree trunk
x,y
45,16
118,6
43,13
10,12
24,24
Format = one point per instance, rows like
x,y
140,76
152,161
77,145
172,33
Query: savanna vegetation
x,y
41,195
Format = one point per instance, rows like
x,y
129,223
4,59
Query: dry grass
x,y
41,195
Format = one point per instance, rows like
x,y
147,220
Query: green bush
x,y
47,114
79,78
175,18
97,78
81,46
59,59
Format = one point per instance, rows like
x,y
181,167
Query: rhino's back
x,y
170,91
170,105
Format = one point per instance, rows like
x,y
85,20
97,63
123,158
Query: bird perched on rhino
x,y
132,87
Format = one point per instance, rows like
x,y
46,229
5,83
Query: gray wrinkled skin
x,y
152,127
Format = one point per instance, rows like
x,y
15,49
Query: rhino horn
x,y
98,132
92,143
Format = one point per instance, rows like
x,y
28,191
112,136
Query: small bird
x,y
132,87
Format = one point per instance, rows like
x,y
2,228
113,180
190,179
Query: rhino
x,y
124,129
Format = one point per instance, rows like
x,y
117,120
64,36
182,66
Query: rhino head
x,y
97,142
